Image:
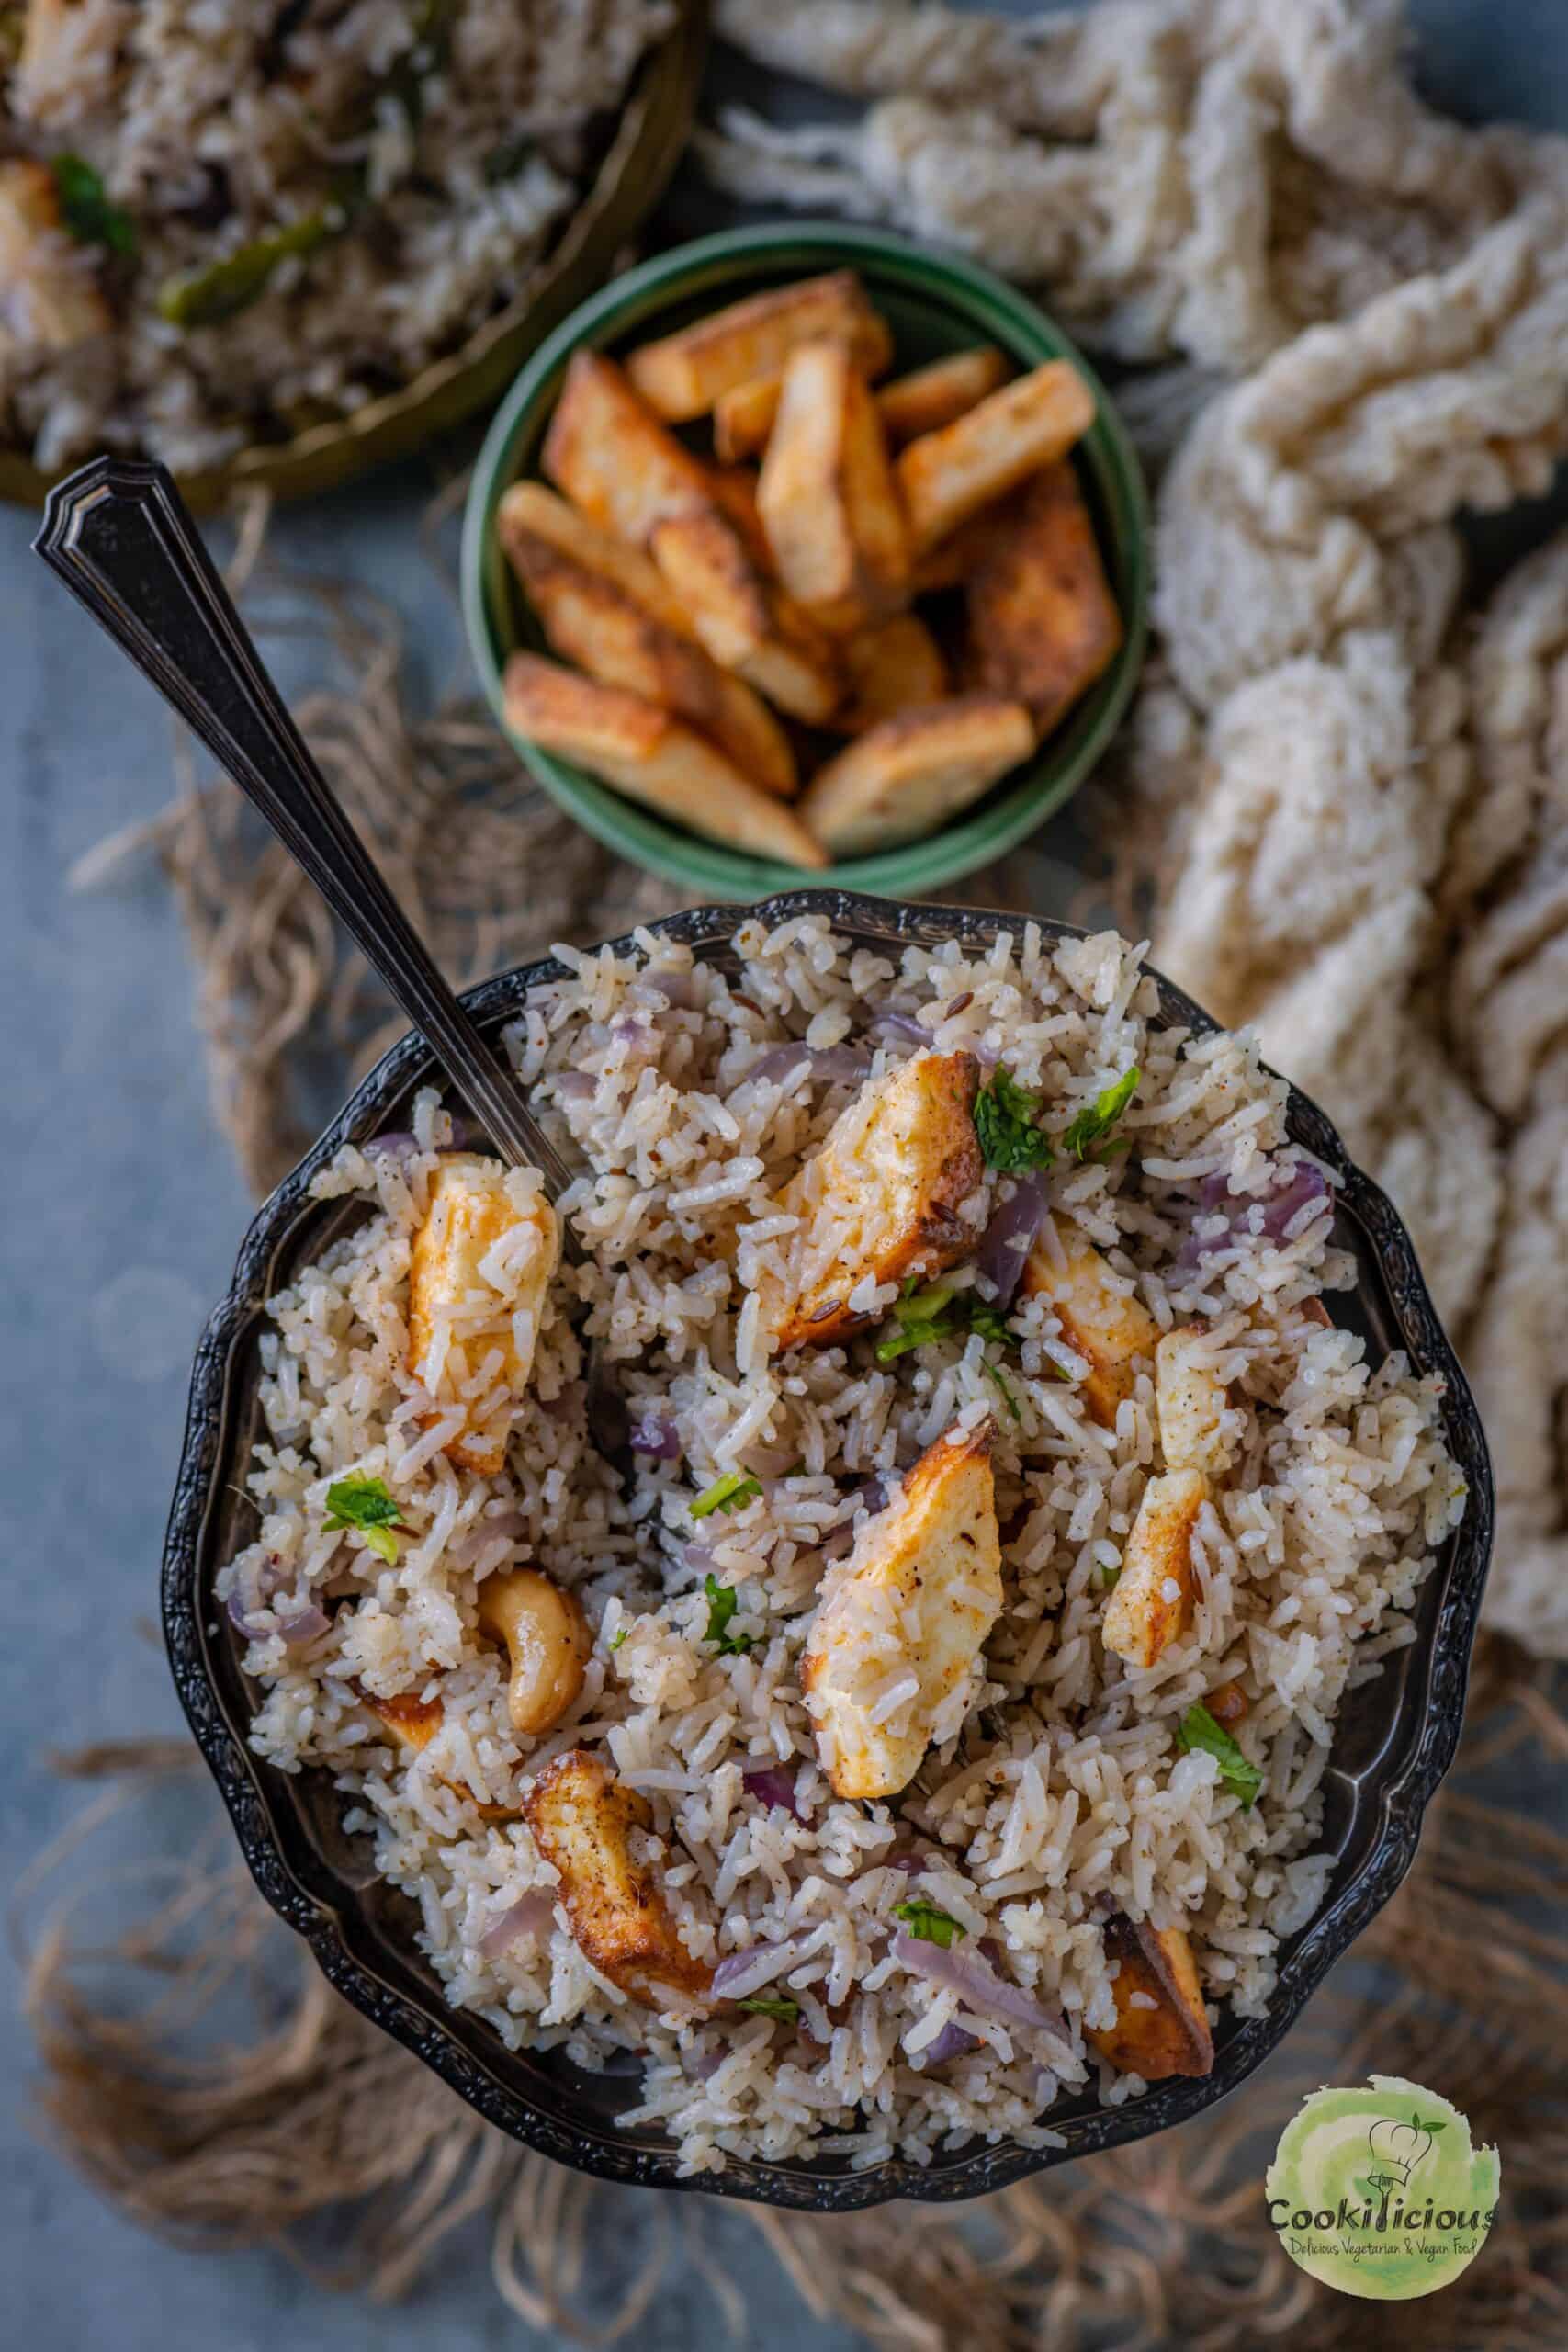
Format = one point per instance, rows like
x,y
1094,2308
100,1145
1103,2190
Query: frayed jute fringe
x,y
204,2076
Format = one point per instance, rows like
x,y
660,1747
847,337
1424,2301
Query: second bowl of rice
x,y
1008,1665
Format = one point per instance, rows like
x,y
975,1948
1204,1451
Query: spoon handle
x,y
121,537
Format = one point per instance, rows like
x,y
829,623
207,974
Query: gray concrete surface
x,y
122,1213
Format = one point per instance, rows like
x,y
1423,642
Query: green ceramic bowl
x,y
934,304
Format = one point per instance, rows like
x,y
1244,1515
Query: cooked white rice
x,y
454,134
1063,1795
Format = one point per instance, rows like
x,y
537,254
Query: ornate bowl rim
x,y
1400,1778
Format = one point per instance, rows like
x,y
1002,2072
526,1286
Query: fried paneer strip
x,y
457,1317
49,298
1100,1321
945,477
909,774
1161,2025
905,1155
651,757
684,375
931,397
584,1823
927,1571
1190,1403
531,518
610,454
594,621
1156,1591
919,402
746,623
826,496
897,666
1042,623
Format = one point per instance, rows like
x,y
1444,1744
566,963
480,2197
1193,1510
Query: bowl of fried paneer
x,y
801,548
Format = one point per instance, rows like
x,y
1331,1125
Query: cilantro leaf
x,y
727,1493
1097,1120
617,1638
994,1371
991,1324
723,1601
85,207
777,2005
926,1924
1198,1729
365,1503
1006,1121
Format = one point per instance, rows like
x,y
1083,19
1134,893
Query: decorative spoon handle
x,y
121,537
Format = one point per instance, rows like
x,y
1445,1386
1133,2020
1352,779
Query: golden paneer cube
x,y
827,497
897,666
532,520
1190,1403
913,1603
684,375
586,1825
593,621
611,456
479,1272
945,477
890,1185
930,397
1042,622
1161,2027
1156,1591
910,772
746,623
49,297
1100,1319
651,757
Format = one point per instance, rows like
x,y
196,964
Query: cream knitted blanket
x,y
1354,316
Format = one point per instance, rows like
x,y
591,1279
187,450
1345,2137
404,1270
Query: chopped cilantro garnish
x,y
991,1324
777,2005
1006,1120
994,1371
85,207
723,1602
1109,1577
365,1503
926,1924
1093,1124
937,1311
619,1636
1198,1729
727,1493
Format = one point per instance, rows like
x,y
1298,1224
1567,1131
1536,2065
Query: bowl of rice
x,y
274,246
998,1666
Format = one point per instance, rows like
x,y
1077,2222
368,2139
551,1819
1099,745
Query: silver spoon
x,y
121,537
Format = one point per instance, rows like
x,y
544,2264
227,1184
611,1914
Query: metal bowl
x,y
647,139
1395,1739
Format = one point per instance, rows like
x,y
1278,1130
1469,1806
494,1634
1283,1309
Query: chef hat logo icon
x,y
1398,2147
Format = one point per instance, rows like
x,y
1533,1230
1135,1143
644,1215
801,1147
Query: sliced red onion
x,y
397,1143
700,2067
1012,1235
573,1085
830,1064
698,1558
773,1784
682,990
746,1971
306,1625
631,1029
910,1863
532,1914
901,1027
954,2041
656,1435
1295,1185
840,1537
988,1994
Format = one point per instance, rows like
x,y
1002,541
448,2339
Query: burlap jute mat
x,y
1369,308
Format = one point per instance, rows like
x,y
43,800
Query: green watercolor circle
x,y
1377,2192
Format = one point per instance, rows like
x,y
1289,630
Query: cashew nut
x,y
546,1639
